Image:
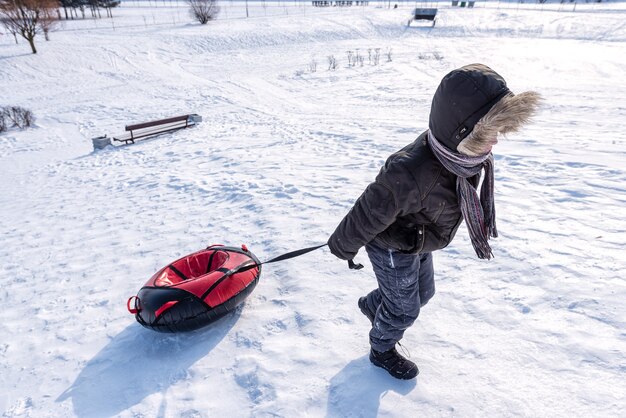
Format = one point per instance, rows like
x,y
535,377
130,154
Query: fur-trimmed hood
x,y
473,104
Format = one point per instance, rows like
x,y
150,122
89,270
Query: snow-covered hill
x,y
282,154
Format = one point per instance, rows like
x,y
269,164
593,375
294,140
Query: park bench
x,y
146,129
423,14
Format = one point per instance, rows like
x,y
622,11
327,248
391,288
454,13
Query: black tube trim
x,y
178,272
226,275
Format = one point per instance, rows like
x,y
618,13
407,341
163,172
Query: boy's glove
x,y
337,253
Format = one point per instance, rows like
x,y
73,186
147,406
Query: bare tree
x,y
26,16
358,58
48,21
203,10
332,62
109,5
9,28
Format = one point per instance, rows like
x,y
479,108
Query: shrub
x,y
203,10
15,116
3,121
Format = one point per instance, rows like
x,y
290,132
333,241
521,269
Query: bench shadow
x,y
356,390
139,362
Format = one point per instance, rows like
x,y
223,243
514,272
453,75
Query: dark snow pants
x,y
405,284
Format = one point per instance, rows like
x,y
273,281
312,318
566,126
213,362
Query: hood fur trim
x,y
508,115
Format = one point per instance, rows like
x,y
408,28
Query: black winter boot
x,y
394,363
366,310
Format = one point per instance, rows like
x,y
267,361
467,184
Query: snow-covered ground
x,y
282,154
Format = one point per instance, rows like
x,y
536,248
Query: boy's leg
x,y
372,301
426,285
398,294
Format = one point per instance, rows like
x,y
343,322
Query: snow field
x,y
280,157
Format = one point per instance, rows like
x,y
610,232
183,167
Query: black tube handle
x,y
353,266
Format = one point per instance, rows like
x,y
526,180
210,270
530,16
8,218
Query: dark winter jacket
x,y
412,205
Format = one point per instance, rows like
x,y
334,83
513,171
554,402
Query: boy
x,y
420,197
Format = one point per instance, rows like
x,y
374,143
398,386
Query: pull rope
x,y
250,265
298,253
293,254
281,257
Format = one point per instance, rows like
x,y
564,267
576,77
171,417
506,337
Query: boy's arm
x,y
372,213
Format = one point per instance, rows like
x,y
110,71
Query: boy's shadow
x,y
139,362
356,390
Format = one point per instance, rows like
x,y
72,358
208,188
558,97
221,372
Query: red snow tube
x,y
197,289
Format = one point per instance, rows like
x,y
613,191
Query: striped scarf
x,y
479,214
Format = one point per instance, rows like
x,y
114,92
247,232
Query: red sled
x,y
196,290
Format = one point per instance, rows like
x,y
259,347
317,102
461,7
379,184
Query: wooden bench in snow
x,y
423,14
146,129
